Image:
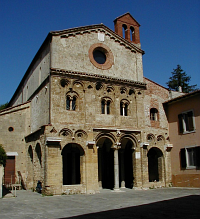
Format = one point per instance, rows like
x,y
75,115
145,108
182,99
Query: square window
x,y
190,157
186,122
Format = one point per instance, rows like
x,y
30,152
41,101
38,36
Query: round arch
x,y
103,136
124,138
78,82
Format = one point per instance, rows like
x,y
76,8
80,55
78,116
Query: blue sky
x,y
169,33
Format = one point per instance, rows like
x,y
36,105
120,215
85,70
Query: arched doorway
x,y
126,164
105,163
72,160
155,164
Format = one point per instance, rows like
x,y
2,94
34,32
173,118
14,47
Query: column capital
x,y
116,146
90,143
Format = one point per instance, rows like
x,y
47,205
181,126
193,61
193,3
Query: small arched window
x,y
124,108
74,103
38,152
71,103
153,114
106,106
103,107
68,103
30,152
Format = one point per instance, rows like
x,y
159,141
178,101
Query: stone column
x,y
116,166
70,104
105,108
123,109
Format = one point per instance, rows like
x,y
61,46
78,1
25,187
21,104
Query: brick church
x,y
84,118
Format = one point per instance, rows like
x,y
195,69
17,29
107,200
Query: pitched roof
x,y
125,15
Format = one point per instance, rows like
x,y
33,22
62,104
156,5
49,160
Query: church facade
x,y
84,117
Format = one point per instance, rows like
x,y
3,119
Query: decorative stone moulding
x,y
53,140
168,147
144,145
109,58
90,144
55,71
11,154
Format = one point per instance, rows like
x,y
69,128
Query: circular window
x,y
10,129
101,56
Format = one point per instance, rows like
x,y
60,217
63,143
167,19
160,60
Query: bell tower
x,y
127,27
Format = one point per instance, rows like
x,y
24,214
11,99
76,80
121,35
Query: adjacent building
x,y
183,114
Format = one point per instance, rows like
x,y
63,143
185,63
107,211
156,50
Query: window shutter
x,y
190,121
183,159
198,157
180,120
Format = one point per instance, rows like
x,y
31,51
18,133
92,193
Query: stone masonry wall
x,y
72,53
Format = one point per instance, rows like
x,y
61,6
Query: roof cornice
x,y
95,76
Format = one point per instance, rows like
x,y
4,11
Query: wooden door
x,y
9,176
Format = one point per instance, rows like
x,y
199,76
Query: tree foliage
x,y
3,106
180,78
2,156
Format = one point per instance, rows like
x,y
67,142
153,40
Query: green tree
x,y
3,106
2,156
180,78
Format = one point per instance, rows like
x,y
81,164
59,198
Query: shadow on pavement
x,y
185,207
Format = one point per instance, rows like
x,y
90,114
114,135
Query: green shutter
x,y
190,121
183,159
180,121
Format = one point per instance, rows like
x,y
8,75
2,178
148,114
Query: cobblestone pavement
x,y
154,203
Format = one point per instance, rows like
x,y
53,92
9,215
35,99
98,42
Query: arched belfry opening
x,y
128,28
105,163
155,164
124,27
126,164
72,157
